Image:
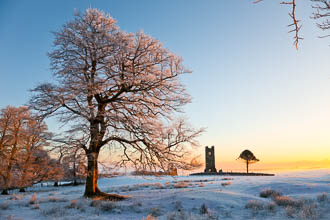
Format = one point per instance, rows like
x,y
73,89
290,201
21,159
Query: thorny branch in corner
x,y
295,21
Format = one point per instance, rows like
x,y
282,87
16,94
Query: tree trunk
x,y
91,187
22,189
56,183
247,166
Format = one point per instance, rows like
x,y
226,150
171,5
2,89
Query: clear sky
x,y
250,87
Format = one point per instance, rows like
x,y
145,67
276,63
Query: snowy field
x,y
292,195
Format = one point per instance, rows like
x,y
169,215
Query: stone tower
x,y
209,160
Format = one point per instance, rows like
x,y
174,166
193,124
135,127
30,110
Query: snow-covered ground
x,y
305,195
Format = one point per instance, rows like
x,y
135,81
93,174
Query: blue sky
x,y
250,87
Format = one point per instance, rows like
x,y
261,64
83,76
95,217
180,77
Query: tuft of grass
x,y
226,183
54,211
108,206
269,193
33,199
201,185
286,201
181,184
76,204
255,205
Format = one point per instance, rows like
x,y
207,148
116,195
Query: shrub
x,y
255,205
269,193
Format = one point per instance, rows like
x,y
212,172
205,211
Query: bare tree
x,y
116,89
248,157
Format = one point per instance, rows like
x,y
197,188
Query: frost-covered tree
x,y
23,161
248,158
117,89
